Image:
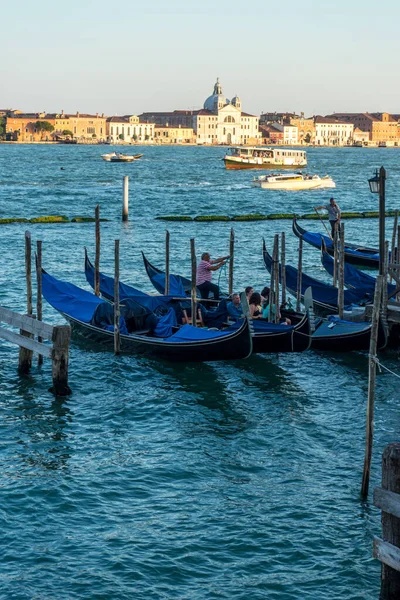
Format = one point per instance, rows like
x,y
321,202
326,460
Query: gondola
x,y
354,279
353,254
267,338
325,296
92,318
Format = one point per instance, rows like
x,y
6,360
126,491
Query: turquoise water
x,y
161,481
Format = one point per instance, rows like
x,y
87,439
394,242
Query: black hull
x,y
237,345
348,342
349,257
297,339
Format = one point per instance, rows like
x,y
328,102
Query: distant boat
x,y
293,181
117,157
253,157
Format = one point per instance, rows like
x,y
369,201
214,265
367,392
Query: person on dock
x,y
204,275
334,213
234,308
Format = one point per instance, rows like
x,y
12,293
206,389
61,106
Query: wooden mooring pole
x,y
194,269
371,386
299,274
384,308
335,257
231,254
283,267
125,203
166,286
117,337
272,286
39,299
60,339
276,251
341,273
97,254
387,499
393,246
28,272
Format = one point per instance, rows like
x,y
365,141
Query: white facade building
x,y
128,130
332,132
290,134
221,121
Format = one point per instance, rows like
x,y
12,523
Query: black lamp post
x,y
377,186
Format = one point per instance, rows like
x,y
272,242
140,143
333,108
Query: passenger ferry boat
x,y
293,181
247,157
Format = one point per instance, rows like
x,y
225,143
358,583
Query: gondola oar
x,y
327,231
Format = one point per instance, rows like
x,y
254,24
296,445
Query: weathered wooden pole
x,y
25,355
393,246
276,250
384,309
335,256
194,270
117,336
341,273
28,272
272,286
231,254
97,255
125,203
390,578
398,256
61,338
39,299
371,386
299,274
166,286
283,267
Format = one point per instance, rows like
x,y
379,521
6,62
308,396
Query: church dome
x,y
217,100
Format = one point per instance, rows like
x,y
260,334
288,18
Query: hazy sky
x,y
126,57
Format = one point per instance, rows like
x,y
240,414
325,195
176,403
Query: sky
x,y
125,58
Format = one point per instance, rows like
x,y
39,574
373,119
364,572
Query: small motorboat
x,y
293,181
117,157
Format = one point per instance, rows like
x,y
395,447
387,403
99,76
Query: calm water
x,y
160,481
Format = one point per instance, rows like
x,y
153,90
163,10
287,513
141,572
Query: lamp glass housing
x,y
374,183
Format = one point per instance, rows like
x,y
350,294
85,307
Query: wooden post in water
x,y
61,337
39,300
335,256
231,254
384,309
371,386
272,287
390,578
166,286
341,273
117,337
97,255
299,274
25,355
276,251
194,269
393,246
283,267
28,272
398,256
125,203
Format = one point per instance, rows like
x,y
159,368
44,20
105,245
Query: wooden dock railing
x,y
58,352
387,498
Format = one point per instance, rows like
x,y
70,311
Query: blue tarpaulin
x,y
69,298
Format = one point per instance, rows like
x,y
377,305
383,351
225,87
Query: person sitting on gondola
x,y
255,305
269,312
204,275
234,308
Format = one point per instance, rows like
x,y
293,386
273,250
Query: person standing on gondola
x,y
334,213
204,274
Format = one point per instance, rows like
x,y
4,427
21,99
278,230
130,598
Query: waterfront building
x,y
360,137
222,121
382,127
270,134
168,134
270,118
331,131
282,134
305,129
129,129
176,118
23,127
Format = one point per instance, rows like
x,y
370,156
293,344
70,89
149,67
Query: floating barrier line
x,y
270,217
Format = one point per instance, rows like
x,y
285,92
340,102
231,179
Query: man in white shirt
x,y
334,213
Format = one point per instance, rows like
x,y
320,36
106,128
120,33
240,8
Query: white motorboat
x,y
293,181
117,157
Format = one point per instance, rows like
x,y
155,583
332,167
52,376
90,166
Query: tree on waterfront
x,y
2,128
68,132
44,126
121,136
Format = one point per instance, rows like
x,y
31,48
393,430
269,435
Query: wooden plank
x,y
386,553
26,323
25,342
387,501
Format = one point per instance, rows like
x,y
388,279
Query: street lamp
x,y
377,186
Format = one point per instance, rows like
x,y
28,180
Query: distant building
x,y
168,134
305,129
269,118
221,121
330,131
271,134
128,130
360,137
176,118
23,127
382,127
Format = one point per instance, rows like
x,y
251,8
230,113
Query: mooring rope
x,y
223,270
381,366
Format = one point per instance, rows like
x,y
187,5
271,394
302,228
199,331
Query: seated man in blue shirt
x,y
234,308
